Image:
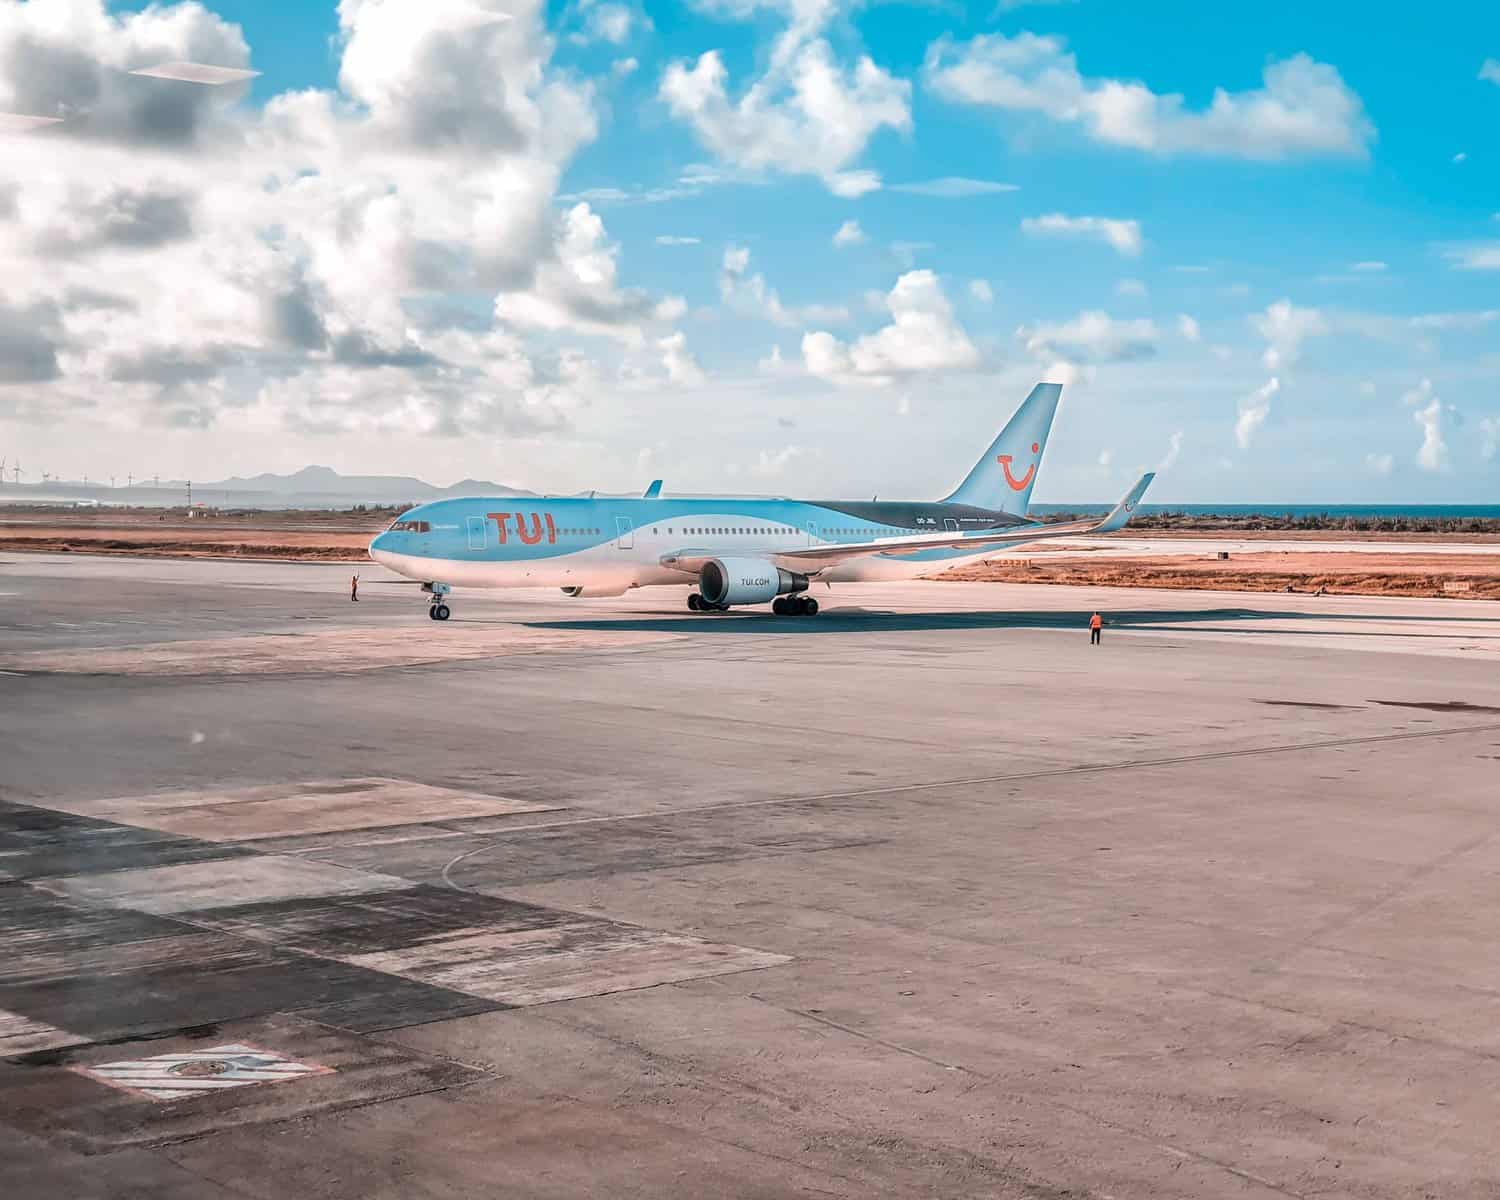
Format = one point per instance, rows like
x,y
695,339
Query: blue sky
x,y
1260,244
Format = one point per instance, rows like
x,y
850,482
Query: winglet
x,y
652,492
1120,515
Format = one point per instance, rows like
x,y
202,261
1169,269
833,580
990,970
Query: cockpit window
x,y
409,527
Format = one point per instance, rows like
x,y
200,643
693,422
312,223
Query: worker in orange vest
x,y
1096,623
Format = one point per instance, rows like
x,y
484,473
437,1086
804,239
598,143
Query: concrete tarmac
x,y
923,896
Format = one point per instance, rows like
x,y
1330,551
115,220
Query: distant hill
x,y
323,485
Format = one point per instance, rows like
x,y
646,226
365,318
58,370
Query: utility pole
x,y
130,480
111,483
190,496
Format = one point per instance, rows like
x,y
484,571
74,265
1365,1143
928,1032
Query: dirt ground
x,y
291,536
1338,572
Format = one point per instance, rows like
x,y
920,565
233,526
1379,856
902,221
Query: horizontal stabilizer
x,y
1120,515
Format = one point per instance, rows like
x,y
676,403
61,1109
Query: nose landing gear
x,y
437,608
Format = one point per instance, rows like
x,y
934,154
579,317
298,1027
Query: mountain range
x,y
325,484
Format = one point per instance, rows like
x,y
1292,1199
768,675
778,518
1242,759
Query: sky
x,y
798,247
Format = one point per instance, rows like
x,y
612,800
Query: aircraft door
x,y
812,533
478,533
950,526
624,534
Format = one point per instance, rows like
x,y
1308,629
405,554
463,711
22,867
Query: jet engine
x,y
726,581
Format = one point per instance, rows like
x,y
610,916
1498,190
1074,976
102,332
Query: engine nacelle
x,y
746,581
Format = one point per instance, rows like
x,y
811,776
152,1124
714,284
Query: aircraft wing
x,y
812,559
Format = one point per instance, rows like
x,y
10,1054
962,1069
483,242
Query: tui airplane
x,y
734,551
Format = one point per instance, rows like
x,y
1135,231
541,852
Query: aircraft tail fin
x,y
1002,480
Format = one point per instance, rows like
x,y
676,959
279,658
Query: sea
x,y
1368,512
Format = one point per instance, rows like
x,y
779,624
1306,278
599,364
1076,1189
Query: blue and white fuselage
x,y
734,551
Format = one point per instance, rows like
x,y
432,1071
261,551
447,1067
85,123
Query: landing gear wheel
x,y
440,612
780,607
695,602
807,606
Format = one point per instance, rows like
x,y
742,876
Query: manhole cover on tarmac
x,y
196,1072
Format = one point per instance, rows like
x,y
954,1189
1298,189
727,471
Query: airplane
x,y
734,551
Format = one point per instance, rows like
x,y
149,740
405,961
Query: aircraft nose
x,y
380,548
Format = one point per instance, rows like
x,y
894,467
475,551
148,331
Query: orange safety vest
x,y
1096,622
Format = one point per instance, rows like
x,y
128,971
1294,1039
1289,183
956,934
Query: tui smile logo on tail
x,y
1017,485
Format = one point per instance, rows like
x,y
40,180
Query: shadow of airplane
x,y
864,620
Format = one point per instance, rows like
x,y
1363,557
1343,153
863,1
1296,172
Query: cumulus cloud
x,y
1124,236
71,59
1432,454
1304,108
1189,329
193,258
1068,374
753,296
981,291
28,344
1092,337
681,367
808,114
849,234
923,337
577,290
609,22
1285,327
1254,409
1476,256
770,463
1489,434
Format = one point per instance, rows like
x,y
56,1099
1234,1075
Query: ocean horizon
x,y
1428,512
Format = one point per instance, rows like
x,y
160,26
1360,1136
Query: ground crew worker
x,y
354,588
1096,623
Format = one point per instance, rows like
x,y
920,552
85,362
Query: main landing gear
x,y
782,606
800,605
437,608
